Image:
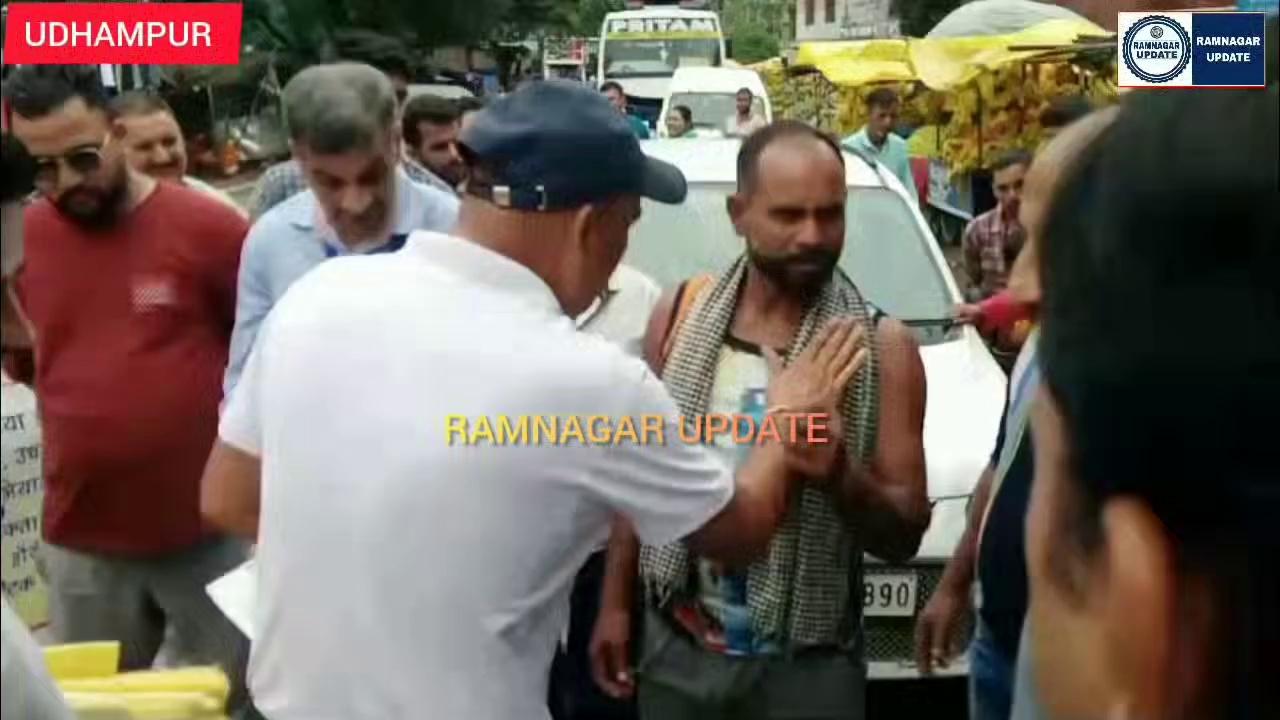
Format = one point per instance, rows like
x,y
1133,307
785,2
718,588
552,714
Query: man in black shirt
x,y
992,549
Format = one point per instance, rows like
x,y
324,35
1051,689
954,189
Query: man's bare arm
x,y
936,632
620,567
738,534
741,532
624,548
230,491
888,501
964,561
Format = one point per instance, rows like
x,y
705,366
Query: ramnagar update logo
x,y
1183,49
1156,49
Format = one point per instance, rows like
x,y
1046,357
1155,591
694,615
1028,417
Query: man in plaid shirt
x,y
993,239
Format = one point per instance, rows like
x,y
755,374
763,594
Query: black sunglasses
x,y
82,161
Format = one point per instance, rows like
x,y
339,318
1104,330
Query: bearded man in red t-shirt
x,y
129,285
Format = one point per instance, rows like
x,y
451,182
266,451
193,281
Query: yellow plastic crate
x,y
88,676
204,682
83,660
144,706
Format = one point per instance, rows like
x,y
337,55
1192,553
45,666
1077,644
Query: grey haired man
x,y
344,133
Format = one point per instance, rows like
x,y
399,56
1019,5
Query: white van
x,y
711,96
446,90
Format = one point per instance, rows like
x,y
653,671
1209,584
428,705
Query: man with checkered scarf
x,y
780,635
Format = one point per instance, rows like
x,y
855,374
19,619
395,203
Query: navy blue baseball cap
x,y
558,145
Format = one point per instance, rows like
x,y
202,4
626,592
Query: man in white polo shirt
x,y
621,313
407,571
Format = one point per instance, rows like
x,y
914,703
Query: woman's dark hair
x,y
17,170
685,113
1161,345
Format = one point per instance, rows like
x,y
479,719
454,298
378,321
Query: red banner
x,y
123,33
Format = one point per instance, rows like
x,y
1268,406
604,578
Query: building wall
x,y
461,59
844,19
1103,12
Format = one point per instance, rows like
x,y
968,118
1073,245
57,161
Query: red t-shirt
x,y
132,326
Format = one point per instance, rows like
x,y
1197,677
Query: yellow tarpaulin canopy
x,y
859,62
944,63
940,63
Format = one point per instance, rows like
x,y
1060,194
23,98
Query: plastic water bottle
x,y
736,618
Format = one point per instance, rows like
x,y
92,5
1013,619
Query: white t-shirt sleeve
x,y
666,489
29,692
650,291
241,423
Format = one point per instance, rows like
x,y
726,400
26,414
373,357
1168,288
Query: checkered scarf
x,y
799,592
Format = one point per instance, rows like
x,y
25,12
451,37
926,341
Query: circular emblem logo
x,y
1156,49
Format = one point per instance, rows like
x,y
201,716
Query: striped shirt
x,y
991,243
279,183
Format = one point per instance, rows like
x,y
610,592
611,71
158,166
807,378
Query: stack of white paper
x,y
236,595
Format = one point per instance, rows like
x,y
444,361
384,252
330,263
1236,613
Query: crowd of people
x,y
215,384
679,121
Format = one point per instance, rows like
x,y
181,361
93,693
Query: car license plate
x,y
889,594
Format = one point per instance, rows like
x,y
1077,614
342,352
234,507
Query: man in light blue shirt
x,y
877,140
345,138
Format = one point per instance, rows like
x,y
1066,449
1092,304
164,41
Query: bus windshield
x,y
657,57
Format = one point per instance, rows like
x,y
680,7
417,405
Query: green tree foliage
x,y
296,30
774,16
590,15
309,29
917,17
753,43
529,16
581,18
312,28
300,32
